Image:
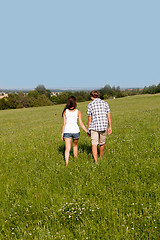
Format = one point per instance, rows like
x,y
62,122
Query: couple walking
x,y
99,118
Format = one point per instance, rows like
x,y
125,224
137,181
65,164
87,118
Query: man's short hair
x,y
95,94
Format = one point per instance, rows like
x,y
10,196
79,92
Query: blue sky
x,y
69,44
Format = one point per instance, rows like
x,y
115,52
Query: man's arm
x,y
109,123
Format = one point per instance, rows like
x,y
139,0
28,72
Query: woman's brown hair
x,y
71,104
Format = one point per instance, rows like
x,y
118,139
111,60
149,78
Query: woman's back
x,y
71,121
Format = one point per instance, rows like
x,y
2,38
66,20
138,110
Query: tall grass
x,y
116,199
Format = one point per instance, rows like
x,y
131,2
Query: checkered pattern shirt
x,y
98,110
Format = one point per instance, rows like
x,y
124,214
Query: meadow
x,y
118,198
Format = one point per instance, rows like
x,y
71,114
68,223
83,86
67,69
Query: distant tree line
x,y
38,97
41,96
151,89
115,92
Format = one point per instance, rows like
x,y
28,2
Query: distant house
x,y
55,93
3,94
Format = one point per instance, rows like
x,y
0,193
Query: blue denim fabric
x,y
71,135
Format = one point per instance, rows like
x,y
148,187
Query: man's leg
x,y
102,142
94,152
101,150
94,140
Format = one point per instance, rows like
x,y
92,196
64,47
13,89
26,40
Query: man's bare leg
x,y
101,150
94,152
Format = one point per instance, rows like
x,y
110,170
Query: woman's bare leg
x,y
67,149
75,147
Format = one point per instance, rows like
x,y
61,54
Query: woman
x,y
70,128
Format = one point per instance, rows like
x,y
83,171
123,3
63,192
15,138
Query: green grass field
x,y
42,199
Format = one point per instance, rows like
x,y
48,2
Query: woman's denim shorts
x,y
71,135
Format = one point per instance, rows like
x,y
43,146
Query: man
x,y
99,117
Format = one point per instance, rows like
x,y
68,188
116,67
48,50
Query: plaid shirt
x,y
98,110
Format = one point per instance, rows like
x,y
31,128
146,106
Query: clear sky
x,y
79,43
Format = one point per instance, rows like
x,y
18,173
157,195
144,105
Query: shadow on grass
x,y
61,148
82,147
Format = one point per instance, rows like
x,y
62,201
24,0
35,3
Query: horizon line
x,y
68,89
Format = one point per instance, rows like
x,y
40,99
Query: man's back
x,y
98,110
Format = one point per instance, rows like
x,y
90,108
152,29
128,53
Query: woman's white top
x,y
71,125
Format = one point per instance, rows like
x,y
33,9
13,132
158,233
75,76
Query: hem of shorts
x,y
97,130
72,137
101,144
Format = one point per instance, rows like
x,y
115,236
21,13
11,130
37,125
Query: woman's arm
x,y
81,123
64,123
89,120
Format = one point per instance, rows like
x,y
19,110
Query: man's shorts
x,y
71,135
98,137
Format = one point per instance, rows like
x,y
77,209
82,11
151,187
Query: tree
x,y
41,89
33,94
151,89
3,103
63,97
12,101
107,90
43,100
158,88
53,99
22,100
